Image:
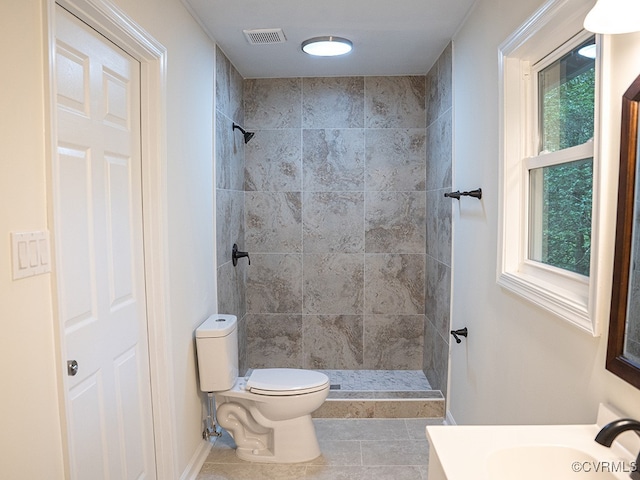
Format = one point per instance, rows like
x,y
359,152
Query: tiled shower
x,y
339,200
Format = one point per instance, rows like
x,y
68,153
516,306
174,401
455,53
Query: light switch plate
x,y
31,255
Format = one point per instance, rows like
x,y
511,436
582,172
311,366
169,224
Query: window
x,y
548,252
560,207
561,176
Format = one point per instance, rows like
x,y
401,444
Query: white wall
x,y
190,188
31,437
519,364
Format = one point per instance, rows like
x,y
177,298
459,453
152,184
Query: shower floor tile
x,y
377,380
380,394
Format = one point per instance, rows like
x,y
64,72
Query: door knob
x,y
72,367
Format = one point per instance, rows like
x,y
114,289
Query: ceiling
x,y
390,37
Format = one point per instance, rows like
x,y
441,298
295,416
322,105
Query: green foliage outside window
x,y
567,120
566,229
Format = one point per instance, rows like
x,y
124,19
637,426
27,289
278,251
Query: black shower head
x,y
247,135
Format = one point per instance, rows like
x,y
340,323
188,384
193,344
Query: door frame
x,y
118,27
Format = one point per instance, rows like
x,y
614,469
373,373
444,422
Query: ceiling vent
x,y
265,36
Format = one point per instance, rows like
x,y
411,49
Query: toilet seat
x,y
286,381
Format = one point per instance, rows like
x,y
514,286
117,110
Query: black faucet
x,y
611,430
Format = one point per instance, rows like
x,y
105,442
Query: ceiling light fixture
x,y
328,46
614,16
588,51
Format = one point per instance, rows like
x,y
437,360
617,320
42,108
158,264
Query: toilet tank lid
x,y
216,326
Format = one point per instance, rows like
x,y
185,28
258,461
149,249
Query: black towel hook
x,y
477,193
462,332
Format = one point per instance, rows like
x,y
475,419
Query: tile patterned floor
x,y
378,380
352,449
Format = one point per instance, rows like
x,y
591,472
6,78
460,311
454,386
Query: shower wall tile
x,y
222,87
274,283
333,341
236,100
228,89
431,222
242,344
434,95
395,102
431,281
394,222
274,222
333,284
436,358
231,291
395,159
394,284
230,214
229,156
438,225
393,342
444,213
274,341
222,152
333,160
273,103
429,366
443,301
438,295
273,161
333,102
439,86
333,222
440,141
438,221
230,226
369,171
223,225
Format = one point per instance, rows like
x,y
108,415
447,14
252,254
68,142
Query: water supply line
x,y
211,427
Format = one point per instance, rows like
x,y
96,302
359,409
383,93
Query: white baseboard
x,y
448,419
197,460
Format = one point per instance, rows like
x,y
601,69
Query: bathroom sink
x,y
530,452
533,462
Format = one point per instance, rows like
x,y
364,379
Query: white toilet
x,y
268,413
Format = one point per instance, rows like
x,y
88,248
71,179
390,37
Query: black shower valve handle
x,y
462,332
236,254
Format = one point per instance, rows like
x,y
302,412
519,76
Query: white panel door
x,y
97,214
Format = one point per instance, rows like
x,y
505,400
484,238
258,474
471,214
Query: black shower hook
x,y
461,332
471,193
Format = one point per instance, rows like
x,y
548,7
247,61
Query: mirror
x,y
623,349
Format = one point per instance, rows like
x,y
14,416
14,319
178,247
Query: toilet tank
x,y
217,351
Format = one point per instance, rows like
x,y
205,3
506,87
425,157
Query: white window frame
x,y
571,296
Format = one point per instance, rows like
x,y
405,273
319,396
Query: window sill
x,y
567,304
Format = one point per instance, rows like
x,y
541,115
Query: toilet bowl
x,y
268,411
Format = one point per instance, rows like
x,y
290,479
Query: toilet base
x,y
292,441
